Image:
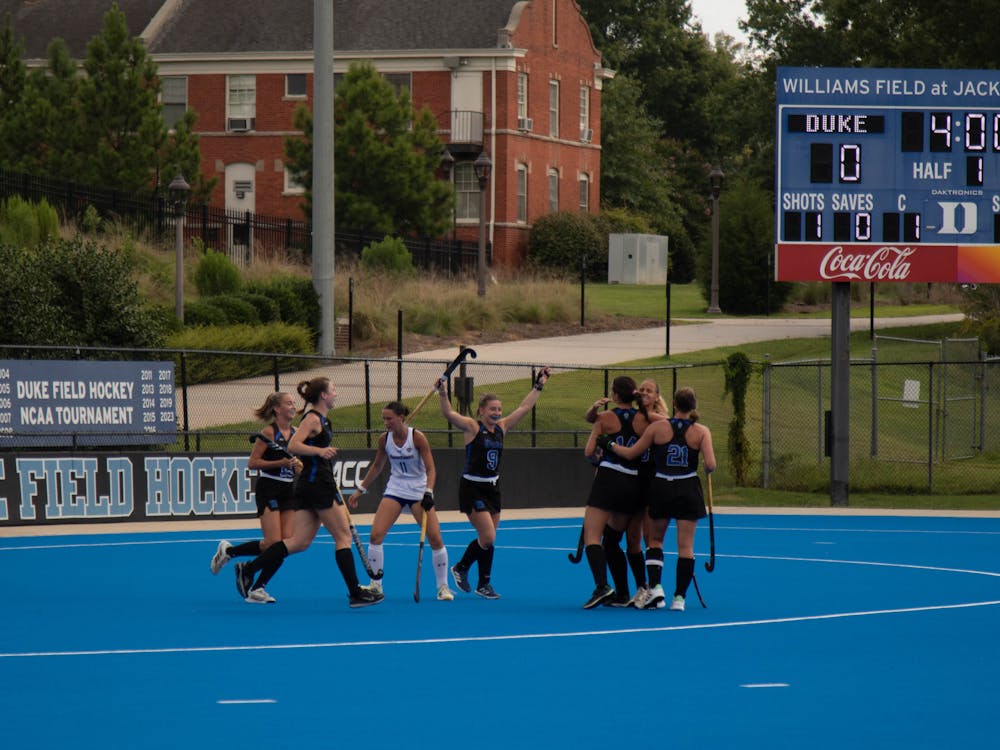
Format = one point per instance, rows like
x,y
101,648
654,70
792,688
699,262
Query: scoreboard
x,y
887,175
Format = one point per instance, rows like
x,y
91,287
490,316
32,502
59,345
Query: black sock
x,y
485,564
345,561
470,556
270,559
654,565
616,559
598,564
637,563
247,549
685,571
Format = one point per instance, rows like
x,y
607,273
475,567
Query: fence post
x,y
820,416
930,426
274,371
399,355
765,459
982,401
874,448
368,404
184,401
534,421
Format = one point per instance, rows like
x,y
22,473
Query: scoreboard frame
x,y
887,175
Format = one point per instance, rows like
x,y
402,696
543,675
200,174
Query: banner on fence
x,y
38,489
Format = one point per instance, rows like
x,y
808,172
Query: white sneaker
x,y
374,586
445,594
221,557
259,596
655,598
638,599
677,605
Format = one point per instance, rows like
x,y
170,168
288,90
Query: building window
x,y
293,186
522,96
584,192
522,193
173,94
466,192
295,85
399,82
586,134
242,104
554,109
553,190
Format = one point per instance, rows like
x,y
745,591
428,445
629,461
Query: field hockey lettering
x,y
887,263
67,488
198,486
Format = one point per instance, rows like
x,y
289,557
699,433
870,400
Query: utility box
x,y
637,259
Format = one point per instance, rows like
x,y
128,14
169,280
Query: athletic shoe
x,y
461,578
638,601
364,597
259,596
600,594
486,591
375,587
677,605
221,557
617,600
445,594
656,597
243,580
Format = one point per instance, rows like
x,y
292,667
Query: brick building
x,y
519,80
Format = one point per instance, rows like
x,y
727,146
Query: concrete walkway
x,y
232,402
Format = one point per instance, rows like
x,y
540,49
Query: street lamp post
x,y
482,166
715,179
447,167
179,190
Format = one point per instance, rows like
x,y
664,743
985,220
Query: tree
x,y
103,129
386,157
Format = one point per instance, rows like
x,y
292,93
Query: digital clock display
x,y
887,175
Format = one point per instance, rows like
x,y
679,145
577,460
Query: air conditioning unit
x,y
241,124
586,135
525,123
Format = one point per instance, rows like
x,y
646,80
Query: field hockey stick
x,y
420,554
374,575
466,352
578,555
273,445
710,565
697,590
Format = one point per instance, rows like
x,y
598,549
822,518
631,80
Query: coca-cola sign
x,y
887,263
866,262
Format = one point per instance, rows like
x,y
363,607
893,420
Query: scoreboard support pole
x,y
840,399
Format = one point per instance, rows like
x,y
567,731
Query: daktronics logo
x,y
886,263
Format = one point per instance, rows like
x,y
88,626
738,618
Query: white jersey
x,y
407,473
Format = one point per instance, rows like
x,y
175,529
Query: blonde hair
x,y
267,411
659,406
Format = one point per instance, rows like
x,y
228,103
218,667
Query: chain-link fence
x,y
921,413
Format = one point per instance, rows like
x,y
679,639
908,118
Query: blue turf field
x,y
821,631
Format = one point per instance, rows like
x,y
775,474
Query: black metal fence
x,y
915,426
243,235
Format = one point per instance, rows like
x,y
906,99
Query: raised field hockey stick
x,y
420,554
578,555
466,352
710,565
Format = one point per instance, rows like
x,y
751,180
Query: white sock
x,y
375,557
440,559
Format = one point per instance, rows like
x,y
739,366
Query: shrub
x,y
388,255
204,312
272,337
267,309
296,299
216,274
560,240
237,309
26,224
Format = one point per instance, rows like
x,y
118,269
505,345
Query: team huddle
x,y
646,474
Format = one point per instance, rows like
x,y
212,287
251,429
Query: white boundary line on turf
x,y
494,638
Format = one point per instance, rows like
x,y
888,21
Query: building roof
x,y
268,26
248,26
37,22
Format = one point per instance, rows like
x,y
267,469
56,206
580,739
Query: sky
x,y
720,15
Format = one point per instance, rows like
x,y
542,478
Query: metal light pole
x,y
179,190
447,167
482,166
715,179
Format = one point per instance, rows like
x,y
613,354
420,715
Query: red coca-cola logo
x,y
887,263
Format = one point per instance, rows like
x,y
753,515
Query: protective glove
x,y
428,502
